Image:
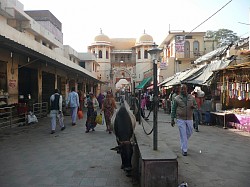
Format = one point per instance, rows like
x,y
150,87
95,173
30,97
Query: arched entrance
x,y
122,79
122,83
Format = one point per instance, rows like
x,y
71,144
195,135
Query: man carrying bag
x,y
56,111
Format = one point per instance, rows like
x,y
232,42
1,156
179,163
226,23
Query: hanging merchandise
x,y
237,86
239,93
237,90
233,86
243,87
243,95
234,93
230,94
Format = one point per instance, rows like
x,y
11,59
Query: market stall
x,y
232,90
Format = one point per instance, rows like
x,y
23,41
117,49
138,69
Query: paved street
x,y
217,157
30,156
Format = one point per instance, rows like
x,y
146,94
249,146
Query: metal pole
x,y
133,87
139,107
155,109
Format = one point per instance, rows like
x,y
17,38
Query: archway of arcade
x,y
122,79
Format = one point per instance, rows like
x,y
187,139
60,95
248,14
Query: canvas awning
x,y
242,66
212,55
205,76
166,80
180,76
143,83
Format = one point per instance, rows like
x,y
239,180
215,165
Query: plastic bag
x,y
98,119
32,118
80,114
183,184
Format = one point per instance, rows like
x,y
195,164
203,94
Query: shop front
x,y
48,86
27,87
3,84
233,95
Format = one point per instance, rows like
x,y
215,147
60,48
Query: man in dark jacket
x,y
182,110
56,111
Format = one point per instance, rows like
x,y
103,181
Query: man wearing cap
x,y
199,98
56,111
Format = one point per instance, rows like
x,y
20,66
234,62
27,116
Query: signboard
x,y
163,65
179,43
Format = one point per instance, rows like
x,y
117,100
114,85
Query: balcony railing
x,y
123,60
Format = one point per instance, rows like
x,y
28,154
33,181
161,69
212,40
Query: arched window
x,y
146,54
187,49
168,51
100,54
171,49
139,54
107,55
196,48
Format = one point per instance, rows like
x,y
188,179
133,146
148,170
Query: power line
x,y
244,23
243,34
210,17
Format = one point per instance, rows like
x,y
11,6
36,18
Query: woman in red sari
x,y
108,106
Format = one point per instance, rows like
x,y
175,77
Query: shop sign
x,y
179,43
163,65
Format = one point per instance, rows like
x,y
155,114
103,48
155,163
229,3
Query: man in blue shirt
x,y
73,102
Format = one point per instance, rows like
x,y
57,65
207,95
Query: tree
x,y
222,36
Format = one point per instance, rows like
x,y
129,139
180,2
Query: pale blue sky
x,y
82,19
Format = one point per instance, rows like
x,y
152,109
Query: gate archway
x,y
124,75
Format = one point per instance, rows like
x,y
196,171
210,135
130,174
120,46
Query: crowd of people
x,y
77,101
184,109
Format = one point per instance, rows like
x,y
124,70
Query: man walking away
x,y
56,111
198,94
182,110
73,103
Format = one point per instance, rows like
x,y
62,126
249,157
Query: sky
x,y
82,19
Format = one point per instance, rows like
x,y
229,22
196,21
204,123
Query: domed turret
x,y
102,38
145,38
